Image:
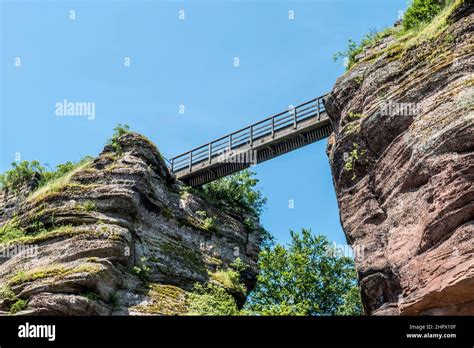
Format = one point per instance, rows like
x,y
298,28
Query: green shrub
x,y
142,270
236,191
230,280
209,224
119,130
20,174
11,233
24,171
421,12
354,49
238,265
211,299
351,302
417,16
11,230
202,221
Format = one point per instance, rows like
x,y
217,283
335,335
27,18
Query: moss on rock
x,y
56,271
164,300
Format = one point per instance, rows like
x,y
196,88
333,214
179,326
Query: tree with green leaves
x,y
237,190
305,278
20,174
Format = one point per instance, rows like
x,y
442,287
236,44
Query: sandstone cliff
x,y
403,167
119,235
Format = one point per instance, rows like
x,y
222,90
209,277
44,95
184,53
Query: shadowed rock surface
x,y
119,236
404,173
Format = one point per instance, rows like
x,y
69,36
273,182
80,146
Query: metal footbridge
x,y
284,132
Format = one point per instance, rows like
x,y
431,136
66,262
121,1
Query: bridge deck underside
x,y
260,150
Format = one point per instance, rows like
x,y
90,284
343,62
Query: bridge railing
x,y
246,136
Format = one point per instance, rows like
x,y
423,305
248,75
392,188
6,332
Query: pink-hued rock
x,y
403,168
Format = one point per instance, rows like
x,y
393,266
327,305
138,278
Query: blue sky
x,y
177,62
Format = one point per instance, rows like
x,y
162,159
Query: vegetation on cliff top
x,y
23,172
20,174
113,141
422,20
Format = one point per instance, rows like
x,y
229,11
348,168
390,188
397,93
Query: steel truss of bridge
x,y
284,132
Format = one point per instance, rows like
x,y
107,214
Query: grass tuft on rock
x,y
57,271
58,184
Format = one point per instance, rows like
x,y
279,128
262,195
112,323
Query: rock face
x,y
119,235
403,168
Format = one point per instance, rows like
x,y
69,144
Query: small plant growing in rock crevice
x,y
142,270
18,306
207,223
359,80
89,206
114,300
7,293
351,159
166,212
10,231
238,265
119,130
91,296
354,49
355,115
230,278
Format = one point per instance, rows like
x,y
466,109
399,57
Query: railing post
x,y
230,142
251,135
190,160
172,165
294,117
319,116
273,127
210,152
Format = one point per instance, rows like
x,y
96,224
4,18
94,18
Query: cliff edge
x,y
119,235
403,167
